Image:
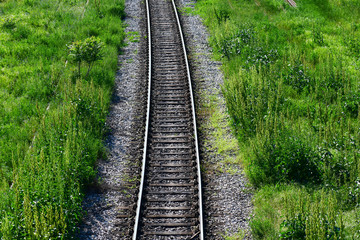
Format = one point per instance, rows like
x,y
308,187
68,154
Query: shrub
x,y
274,5
222,12
351,102
221,15
293,228
245,44
318,36
297,78
251,99
237,43
285,158
354,192
261,56
88,51
8,22
311,216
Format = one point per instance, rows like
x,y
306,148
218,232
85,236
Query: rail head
x,y
201,220
143,168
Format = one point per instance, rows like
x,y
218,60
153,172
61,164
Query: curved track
x,y
169,204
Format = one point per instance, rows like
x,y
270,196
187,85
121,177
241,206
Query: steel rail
x,y
143,168
201,228
141,187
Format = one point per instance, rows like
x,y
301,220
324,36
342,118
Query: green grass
x,y
219,140
51,120
293,94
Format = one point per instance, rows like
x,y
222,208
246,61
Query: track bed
x,y
169,205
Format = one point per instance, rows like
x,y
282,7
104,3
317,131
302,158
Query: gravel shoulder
x,y
227,197
227,194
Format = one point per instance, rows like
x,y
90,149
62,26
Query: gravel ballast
x,y
227,197
227,201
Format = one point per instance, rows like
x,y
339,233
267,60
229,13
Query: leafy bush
x,y
318,37
311,216
8,22
354,193
221,12
221,15
274,5
237,43
261,57
88,51
353,43
286,158
293,228
244,43
297,78
252,99
351,103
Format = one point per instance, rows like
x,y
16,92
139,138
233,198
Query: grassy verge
x,y
293,94
52,118
220,140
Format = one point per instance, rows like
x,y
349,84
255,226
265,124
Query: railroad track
x,y
169,203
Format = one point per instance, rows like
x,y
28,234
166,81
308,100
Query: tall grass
x,y
294,212
292,93
51,120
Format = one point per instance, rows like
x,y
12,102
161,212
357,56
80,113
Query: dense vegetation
x,y
57,60
292,91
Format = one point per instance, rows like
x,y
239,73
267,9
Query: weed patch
x,y
286,158
52,114
292,94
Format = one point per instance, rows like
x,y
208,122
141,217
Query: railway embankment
x,y
292,93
